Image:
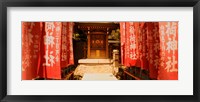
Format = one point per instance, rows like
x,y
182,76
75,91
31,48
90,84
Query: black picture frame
x,y
99,3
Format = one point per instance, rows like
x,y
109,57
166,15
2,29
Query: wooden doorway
x,y
98,46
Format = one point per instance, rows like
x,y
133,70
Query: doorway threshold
x,y
94,61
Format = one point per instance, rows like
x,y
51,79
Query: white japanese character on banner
x,y
131,30
57,58
171,64
57,30
162,64
170,29
26,61
133,56
50,26
162,39
132,37
57,45
51,60
173,28
162,57
57,51
133,46
162,30
49,40
48,59
174,69
57,40
171,45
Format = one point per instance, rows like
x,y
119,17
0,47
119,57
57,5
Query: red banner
x,y
50,51
64,55
31,36
67,55
46,47
153,49
122,36
128,43
151,46
70,43
169,50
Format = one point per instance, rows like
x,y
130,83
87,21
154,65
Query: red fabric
x,y
151,46
64,55
132,44
70,43
153,49
169,50
67,57
50,51
137,43
46,47
128,44
31,36
122,36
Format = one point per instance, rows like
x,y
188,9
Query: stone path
x,y
93,68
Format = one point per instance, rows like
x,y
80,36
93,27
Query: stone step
x,y
95,61
93,68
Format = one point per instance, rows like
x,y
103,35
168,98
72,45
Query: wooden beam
x,y
98,25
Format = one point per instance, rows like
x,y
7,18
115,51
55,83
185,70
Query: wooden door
x,y
97,46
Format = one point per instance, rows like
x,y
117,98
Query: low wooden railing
x,y
131,75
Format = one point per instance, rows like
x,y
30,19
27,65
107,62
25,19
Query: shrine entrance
x,y
97,43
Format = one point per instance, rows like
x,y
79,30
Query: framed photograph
x,y
104,50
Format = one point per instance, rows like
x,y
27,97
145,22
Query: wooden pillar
x,y
88,35
107,42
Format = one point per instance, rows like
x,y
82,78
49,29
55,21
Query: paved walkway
x,y
93,68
